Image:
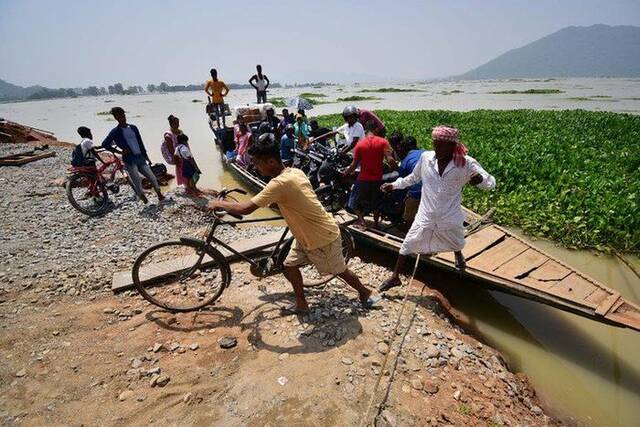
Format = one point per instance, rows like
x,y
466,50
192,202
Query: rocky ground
x,y
73,353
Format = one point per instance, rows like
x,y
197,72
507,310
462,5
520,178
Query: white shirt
x,y
441,198
86,146
183,151
261,83
351,132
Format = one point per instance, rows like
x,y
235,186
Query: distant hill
x,y
595,51
11,91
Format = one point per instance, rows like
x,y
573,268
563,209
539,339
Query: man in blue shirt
x,y
287,145
125,139
410,154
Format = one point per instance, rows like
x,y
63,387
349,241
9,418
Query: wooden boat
x,y
499,259
25,157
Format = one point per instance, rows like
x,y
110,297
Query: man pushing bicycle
x,y
316,233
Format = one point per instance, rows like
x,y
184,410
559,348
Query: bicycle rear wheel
x,y
180,276
310,276
87,194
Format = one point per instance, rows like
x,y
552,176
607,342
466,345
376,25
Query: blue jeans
x,y
262,96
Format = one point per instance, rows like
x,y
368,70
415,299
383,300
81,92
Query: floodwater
x,y
587,373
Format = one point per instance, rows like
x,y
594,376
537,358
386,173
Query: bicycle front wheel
x,y
87,194
180,276
310,276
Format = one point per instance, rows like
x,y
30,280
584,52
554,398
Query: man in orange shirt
x,y
217,90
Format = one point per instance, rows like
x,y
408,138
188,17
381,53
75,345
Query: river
x,y
587,373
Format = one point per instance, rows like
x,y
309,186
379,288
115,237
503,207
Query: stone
x,y
157,347
227,342
174,346
456,394
416,383
432,351
382,348
163,380
194,346
536,410
21,373
347,361
136,363
430,387
187,397
125,395
387,419
283,356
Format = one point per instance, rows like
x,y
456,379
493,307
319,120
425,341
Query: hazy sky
x,y
64,43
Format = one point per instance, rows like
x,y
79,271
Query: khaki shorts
x,y
410,209
327,259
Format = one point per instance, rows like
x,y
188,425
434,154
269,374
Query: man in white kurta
x,y
438,225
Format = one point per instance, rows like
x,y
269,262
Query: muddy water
x,y
587,373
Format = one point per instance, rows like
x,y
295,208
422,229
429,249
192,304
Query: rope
x,y
365,419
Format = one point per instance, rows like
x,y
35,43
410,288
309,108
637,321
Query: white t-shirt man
x,y
351,132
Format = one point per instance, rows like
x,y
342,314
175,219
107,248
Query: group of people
x,y
125,140
430,183
216,91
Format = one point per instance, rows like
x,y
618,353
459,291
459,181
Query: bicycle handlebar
x,y
223,195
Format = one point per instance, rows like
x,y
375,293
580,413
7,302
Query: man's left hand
x,y
213,205
475,179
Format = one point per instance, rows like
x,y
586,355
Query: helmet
x,y
266,137
264,128
289,127
349,111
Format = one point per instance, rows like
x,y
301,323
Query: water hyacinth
x,y
572,176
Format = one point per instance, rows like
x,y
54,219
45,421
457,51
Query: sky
x,y
73,43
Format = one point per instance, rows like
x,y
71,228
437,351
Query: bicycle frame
x,y
211,238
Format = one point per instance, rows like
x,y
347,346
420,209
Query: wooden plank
x,y
122,280
550,271
498,255
604,307
599,295
476,243
526,261
21,160
576,288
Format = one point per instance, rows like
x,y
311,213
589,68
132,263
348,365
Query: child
x,y
190,170
84,155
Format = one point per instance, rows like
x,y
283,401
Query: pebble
x,y
194,346
21,373
283,356
125,395
136,363
227,342
456,394
416,383
430,387
157,347
382,348
347,361
162,380
187,397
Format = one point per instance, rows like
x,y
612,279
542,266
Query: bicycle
x,y
188,274
87,187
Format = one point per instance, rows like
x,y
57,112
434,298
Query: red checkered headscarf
x,y
447,134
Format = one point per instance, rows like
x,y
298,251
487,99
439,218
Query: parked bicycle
x,y
88,186
188,273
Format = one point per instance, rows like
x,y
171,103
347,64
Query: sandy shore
x,y
74,353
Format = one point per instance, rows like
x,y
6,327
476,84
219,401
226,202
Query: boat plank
x,y
550,271
598,296
526,261
496,256
576,288
476,243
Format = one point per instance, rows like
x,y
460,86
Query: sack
x,y
159,169
77,158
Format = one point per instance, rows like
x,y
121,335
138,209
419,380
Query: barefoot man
x,y
317,236
438,225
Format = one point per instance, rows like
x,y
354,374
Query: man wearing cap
x,y
438,225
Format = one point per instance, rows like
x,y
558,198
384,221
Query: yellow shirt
x,y
214,90
310,224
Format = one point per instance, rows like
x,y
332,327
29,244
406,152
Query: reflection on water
x,y
585,371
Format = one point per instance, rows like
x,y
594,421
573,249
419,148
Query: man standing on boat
x,y
317,235
438,225
261,84
217,90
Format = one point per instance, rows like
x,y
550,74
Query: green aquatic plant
x,y
527,92
312,95
357,98
389,90
572,176
277,101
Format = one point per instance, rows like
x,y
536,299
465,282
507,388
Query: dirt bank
x,y
73,353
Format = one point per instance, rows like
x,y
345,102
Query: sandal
x,y
292,310
390,283
371,301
